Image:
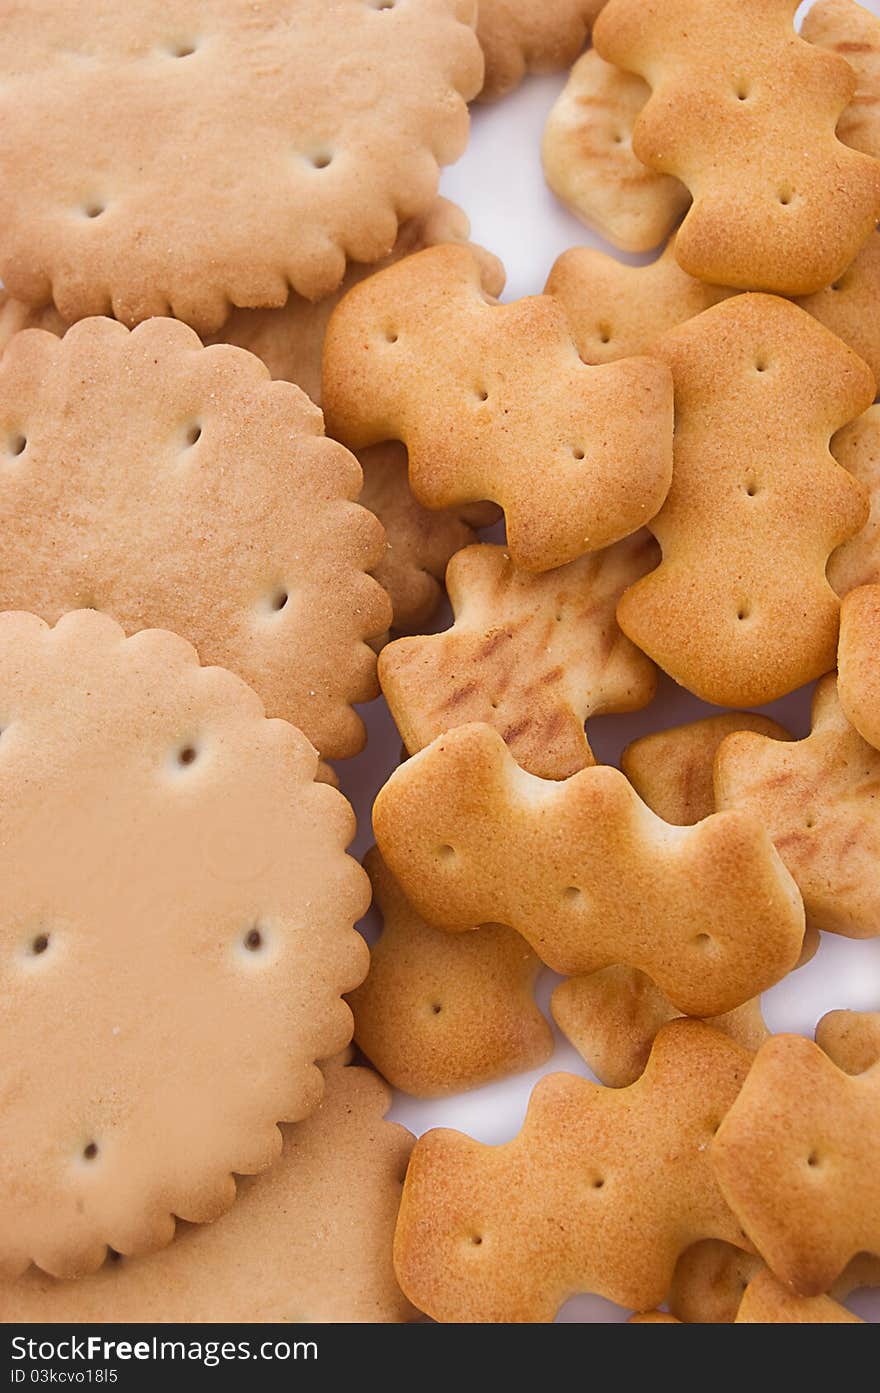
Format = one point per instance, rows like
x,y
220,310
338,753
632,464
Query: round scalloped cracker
x,y
176,487
177,911
179,158
536,36
309,1241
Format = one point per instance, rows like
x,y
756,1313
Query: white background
x,y
500,185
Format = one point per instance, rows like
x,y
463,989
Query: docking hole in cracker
x,y
197,496
743,112
178,915
128,173
588,874
493,402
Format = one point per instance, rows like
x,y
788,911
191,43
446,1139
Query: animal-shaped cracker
x,y
177,912
492,401
533,656
587,874
852,32
767,1302
848,307
759,389
798,1159
857,448
439,1012
308,1241
858,661
198,496
579,1200
612,1018
743,111
851,1039
419,541
520,36
589,162
672,769
818,799
711,1279
615,310
157,165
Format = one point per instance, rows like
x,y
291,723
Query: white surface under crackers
x,y
499,184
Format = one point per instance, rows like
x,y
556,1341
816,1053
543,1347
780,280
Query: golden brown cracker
x,y
532,655
672,769
711,1279
178,911
578,1201
612,1018
308,1241
858,661
587,874
852,32
851,1039
767,1302
492,401
195,496
760,388
848,307
520,36
798,1159
589,161
617,311
744,112
818,799
857,448
156,164
440,1013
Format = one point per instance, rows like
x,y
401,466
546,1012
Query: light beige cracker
x,y
579,1200
177,912
492,401
533,656
520,36
744,112
672,769
308,1241
853,33
589,161
767,1302
857,448
193,495
617,311
158,165
818,799
587,874
760,388
858,661
440,1013
798,1159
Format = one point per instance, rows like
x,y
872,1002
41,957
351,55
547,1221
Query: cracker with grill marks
x,y
858,661
177,909
520,36
198,496
744,112
587,873
493,402
760,387
533,656
129,163
798,1160
308,1241
439,1013
589,161
818,799
579,1200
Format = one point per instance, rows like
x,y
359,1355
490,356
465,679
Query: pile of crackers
x,y
258,396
